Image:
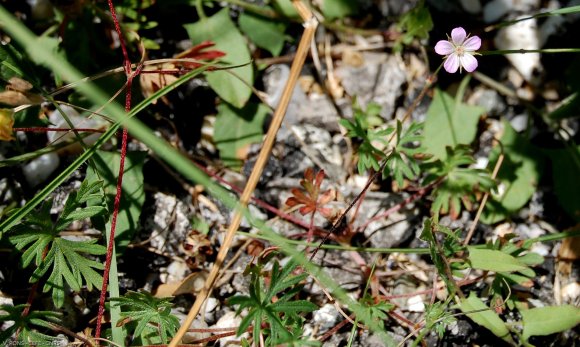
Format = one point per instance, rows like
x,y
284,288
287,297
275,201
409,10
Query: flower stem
x,y
524,51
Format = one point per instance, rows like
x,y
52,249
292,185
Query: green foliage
x,y
378,309
107,164
38,237
333,9
27,326
219,28
400,162
264,32
135,20
438,318
542,321
449,122
518,176
273,304
460,182
147,317
12,63
236,128
416,23
481,314
437,253
364,127
565,173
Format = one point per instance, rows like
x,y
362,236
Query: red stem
x,y
130,75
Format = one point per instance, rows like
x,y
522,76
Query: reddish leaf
x,y
310,199
197,52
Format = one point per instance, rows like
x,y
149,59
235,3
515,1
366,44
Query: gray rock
x,y
378,80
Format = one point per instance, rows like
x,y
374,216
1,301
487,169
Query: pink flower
x,y
459,51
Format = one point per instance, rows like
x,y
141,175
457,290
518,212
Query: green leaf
x,y
565,173
220,29
485,317
148,317
67,265
26,325
11,62
285,8
264,32
236,128
133,195
294,306
449,123
531,259
416,23
519,176
333,9
549,320
493,260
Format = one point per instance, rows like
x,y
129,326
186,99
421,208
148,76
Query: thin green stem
x,y
561,11
524,51
199,8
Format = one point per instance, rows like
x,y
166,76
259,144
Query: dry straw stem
x,y
310,24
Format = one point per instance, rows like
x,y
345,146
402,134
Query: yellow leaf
x,y
6,123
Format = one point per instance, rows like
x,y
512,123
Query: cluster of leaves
x,y
512,264
25,328
64,260
147,318
272,309
393,144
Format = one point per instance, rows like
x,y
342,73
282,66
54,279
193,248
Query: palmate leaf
x,y
149,317
28,335
460,182
67,264
65,260
281,315
400,162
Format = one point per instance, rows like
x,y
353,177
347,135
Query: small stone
x,y
520,122
230,321
522,35
326,317
39,169
416,304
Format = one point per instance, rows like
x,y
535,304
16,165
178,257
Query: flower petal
x,y
468,62
444,47
451,63
458,35
472,44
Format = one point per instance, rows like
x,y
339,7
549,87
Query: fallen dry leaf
x,y
6,124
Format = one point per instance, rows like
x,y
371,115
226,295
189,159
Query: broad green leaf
x,y
264,32
133,195
549,320
493,260
236,128
565,173
220,29
531,259
333,9
478,312
449,123
285,7
518,175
